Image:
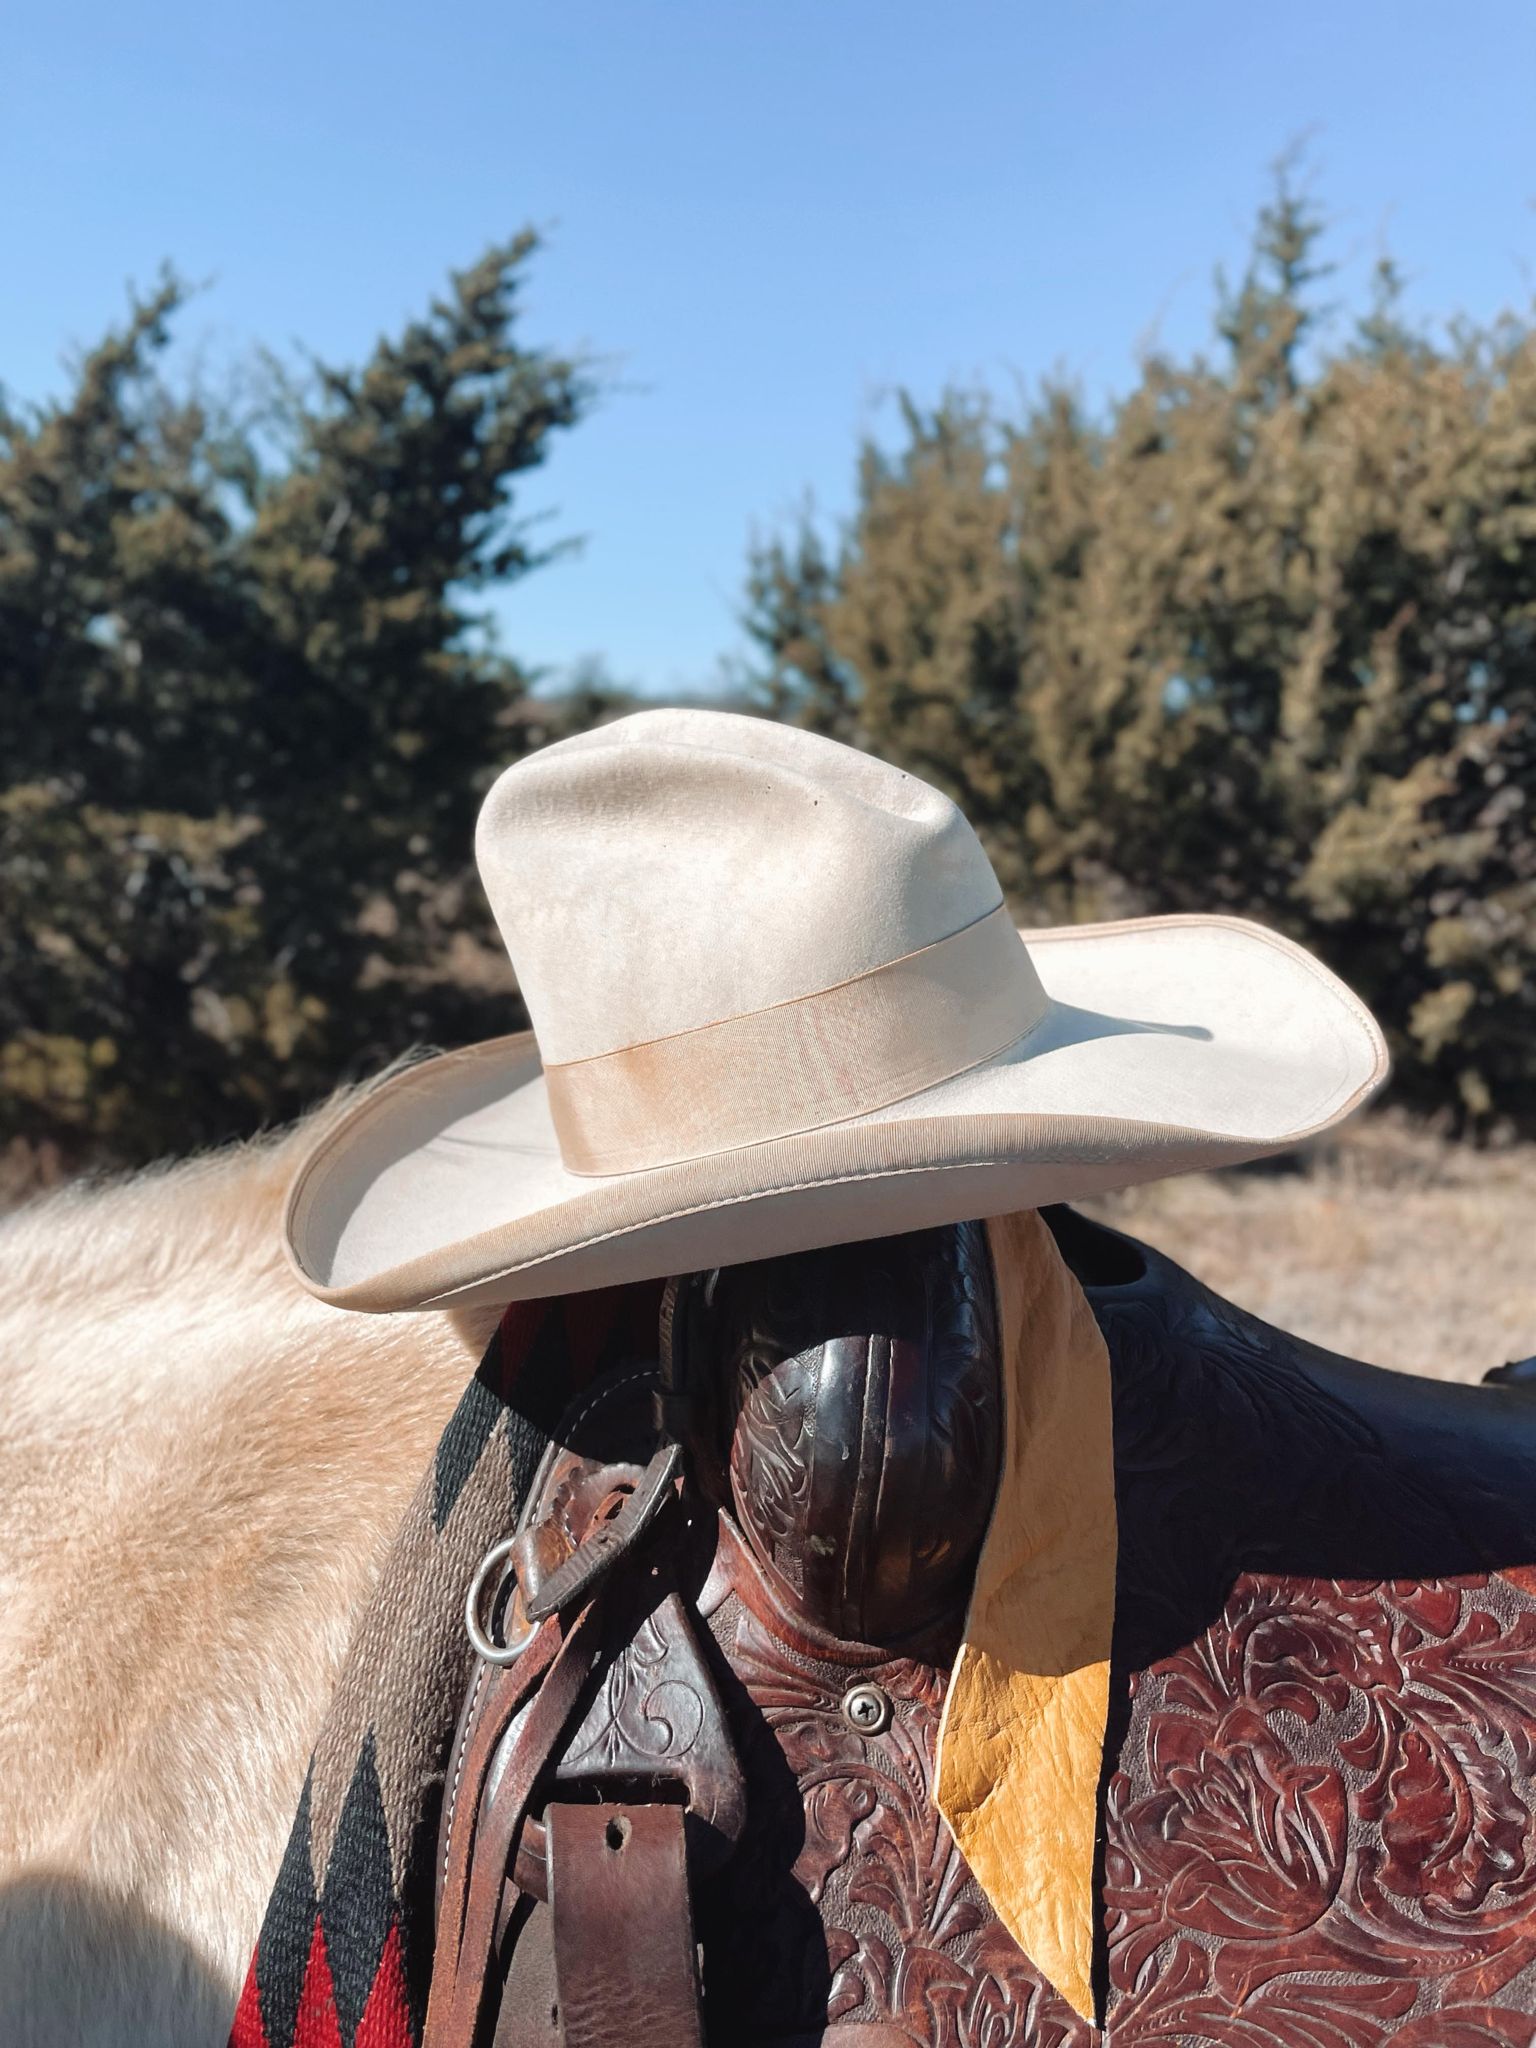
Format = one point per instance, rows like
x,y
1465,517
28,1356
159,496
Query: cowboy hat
x,y
777,1003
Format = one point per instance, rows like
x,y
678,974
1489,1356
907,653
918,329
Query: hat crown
x,y
678,868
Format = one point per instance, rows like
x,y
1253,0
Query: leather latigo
x,y
1320,1784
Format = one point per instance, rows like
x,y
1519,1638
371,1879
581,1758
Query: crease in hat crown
x,y
727,931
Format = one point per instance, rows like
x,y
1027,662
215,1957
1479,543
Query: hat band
x,y
814,1060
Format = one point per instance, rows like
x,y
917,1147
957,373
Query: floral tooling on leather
x,y
1321,1834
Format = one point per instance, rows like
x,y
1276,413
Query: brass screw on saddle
x,y
868,1708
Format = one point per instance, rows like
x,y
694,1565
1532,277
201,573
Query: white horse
x,y
200,1468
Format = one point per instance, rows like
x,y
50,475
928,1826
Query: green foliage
x,y
1262,640
246,714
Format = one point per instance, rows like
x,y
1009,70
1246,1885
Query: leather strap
x,y
529,2015
503,1691
626,1969
600,1550
478,1856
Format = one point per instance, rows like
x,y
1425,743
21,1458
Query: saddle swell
x,y
857,1406
1320,1786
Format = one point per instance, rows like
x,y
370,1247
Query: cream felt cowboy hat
x,y
778,1003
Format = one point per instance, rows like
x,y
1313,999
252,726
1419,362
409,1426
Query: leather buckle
x,y
540,1585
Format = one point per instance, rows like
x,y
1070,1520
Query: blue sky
x,y
762,217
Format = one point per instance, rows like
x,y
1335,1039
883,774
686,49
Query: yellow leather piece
x,y
1021,1744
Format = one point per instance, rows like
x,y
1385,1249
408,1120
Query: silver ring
x,y
492,1652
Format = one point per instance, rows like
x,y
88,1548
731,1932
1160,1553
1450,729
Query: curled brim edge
x,y
1170,1044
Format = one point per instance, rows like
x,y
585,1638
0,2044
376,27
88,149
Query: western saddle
x,y
690,1797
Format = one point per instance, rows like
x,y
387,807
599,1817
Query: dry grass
x,y
1387,1243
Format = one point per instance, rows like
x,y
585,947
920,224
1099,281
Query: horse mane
x,y
200,1467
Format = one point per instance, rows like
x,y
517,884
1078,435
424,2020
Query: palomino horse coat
x,y
200,1468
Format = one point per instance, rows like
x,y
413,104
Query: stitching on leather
x,y
604,1393
458,1770
593,1400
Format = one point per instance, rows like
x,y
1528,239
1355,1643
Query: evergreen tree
x,y
246,714
1262,640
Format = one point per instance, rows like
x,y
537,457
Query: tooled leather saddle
x,y
690,1797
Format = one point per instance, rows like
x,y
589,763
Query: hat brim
x,y
1170,1044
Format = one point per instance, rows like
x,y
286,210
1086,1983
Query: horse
x,y
200,1468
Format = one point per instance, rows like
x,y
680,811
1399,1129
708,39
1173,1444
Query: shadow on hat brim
x,y
1171,1044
